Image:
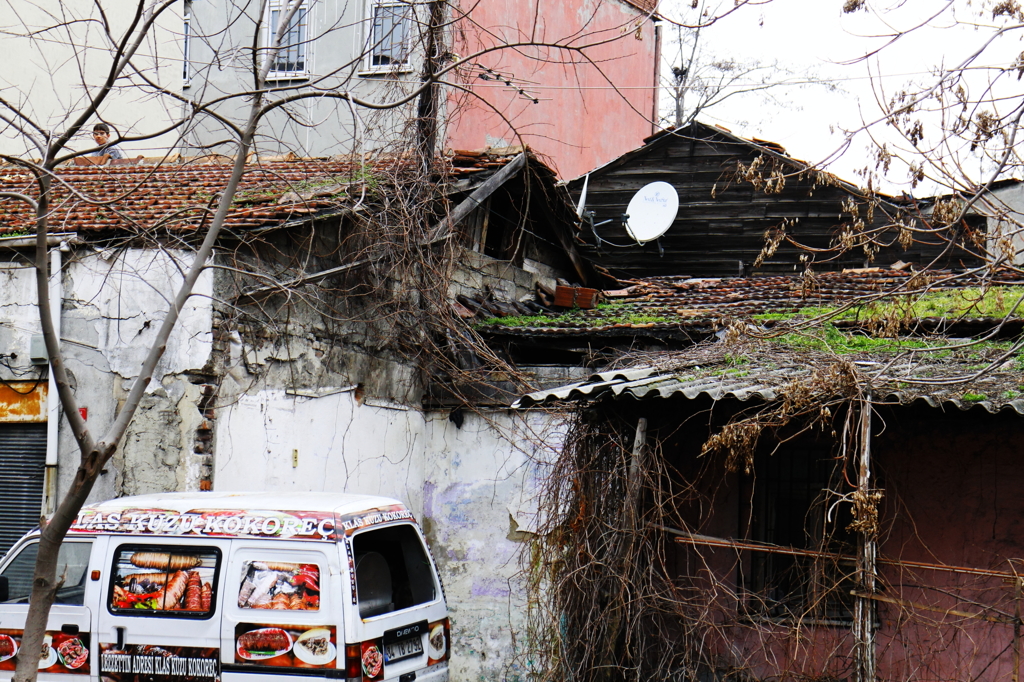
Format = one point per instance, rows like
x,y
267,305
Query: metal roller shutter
x,y
22,467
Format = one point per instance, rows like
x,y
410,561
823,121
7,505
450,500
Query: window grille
x,y
390,32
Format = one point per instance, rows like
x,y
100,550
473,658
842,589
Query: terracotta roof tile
x,y
680,303
177,197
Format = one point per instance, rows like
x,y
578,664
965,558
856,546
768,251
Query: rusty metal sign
x,y
23,401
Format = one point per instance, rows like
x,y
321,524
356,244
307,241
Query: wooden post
x,y
867,552
638,450
1016,628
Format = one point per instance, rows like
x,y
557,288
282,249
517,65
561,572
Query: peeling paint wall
x,y
19,320
113,304
480,482
113,301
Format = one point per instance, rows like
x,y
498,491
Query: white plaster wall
x,y
19,316
113,303
480,488
122,297
342,446
472,488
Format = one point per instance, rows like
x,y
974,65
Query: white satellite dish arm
x,y
583,197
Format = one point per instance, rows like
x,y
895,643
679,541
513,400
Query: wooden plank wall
x,y
720,228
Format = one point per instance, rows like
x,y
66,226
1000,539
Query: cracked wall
x,y
112,303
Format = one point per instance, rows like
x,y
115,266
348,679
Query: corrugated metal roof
x,y
761,384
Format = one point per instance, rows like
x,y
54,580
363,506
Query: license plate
x,y
404,648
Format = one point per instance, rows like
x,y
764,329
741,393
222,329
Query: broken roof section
x,y
764,374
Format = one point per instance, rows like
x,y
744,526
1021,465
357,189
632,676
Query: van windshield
x,y
72,562
393,571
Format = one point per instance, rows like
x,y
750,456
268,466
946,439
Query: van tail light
x,y
353,661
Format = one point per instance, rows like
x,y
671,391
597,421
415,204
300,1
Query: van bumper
x,y
435,673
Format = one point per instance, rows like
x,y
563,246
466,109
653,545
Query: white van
x,y
239,587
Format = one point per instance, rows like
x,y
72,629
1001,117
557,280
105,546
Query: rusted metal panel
x,y
576,297
23,401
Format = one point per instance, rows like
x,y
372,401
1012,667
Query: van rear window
x,y
393,571
164,581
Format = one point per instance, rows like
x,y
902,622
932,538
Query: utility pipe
x,y
56,292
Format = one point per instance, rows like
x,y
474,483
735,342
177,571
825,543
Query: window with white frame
x,y
390,34
292,57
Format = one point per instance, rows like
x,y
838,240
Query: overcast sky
x,y
814,38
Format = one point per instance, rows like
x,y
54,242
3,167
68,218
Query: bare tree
x,y
695,80
107,56
953,132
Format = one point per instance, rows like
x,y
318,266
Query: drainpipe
x,y
867,554
52,399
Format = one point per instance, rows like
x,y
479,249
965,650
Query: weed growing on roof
x,y
731,359
532,320
731,373
974,397
364,176
971,302
575,317
307,186
635,318
1011,395
256,193
832,340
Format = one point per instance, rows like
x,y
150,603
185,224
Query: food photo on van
x,y
205,587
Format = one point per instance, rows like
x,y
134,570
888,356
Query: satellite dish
x,y
651,211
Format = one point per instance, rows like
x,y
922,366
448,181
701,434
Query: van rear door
x,y
282,611
399,613
65,654
160,612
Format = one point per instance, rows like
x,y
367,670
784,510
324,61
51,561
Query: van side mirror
x,y
4,589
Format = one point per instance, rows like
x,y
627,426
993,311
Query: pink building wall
x,y
581,120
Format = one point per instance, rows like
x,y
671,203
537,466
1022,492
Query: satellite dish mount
x,y
650,213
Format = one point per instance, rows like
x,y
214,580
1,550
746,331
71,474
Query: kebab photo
x,y
176,585
264,643
279,585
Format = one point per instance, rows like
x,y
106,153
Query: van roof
x,y
342,504
282,516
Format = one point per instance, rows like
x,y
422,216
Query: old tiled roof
x,y
178,196
689,305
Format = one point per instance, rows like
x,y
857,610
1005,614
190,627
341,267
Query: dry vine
x,y
636,575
